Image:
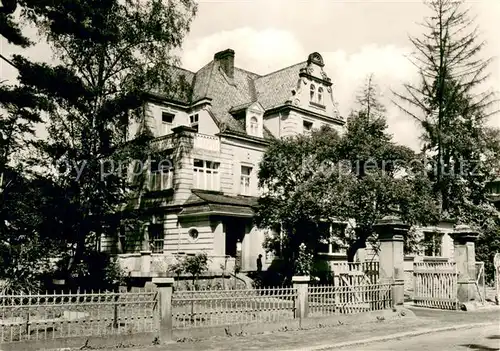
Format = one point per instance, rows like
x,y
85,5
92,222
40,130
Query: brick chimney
x,y
226,61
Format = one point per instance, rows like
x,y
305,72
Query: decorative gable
x,y
254,121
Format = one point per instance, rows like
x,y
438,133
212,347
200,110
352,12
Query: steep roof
x,y
244,88
275,88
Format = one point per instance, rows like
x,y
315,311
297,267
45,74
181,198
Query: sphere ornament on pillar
x,y
391,228
464,234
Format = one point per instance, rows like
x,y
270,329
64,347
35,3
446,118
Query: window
x,y
156,237
432,244
206,175
167,120
245,180
312,91
193,233
307,127
254,126
161,175
320,95
193,121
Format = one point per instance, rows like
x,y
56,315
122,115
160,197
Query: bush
x,y
195,265
304,262
96,271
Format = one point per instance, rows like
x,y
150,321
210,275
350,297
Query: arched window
x,y
320,95
312,92
254,126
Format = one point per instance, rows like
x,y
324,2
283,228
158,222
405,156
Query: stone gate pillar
x,y
464,238
391,233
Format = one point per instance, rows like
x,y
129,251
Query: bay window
x,y
161,176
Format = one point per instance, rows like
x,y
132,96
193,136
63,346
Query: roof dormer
x,y
252,115
254,120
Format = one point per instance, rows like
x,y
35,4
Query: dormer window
x,y
193,121
312,92
320,95
254,126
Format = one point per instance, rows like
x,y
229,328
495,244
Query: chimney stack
x,y
226,61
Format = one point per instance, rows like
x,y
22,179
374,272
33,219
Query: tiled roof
x,y
243,89
276,88
181,87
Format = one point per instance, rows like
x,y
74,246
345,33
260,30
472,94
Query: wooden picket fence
x,y
435,285
325,300
355,273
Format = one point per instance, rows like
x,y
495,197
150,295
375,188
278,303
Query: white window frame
x,y
254,126
246,180
167,126
207,176
166,175
194,121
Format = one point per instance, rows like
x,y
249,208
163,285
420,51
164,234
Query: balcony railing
x,y
163,142
200,141
206,142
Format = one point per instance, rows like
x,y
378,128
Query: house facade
x,y
209,137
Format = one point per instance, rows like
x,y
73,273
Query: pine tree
x,y
452,107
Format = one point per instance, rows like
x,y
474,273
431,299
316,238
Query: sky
x,y
355,38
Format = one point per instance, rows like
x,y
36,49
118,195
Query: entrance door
x,y
235,230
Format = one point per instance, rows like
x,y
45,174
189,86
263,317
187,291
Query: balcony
x,y
163,143
200,141
206,142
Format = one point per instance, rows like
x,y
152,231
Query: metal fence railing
x,y
225,307
51,316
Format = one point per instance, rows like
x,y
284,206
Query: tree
x,y
291,172
452,108
388,179
112,53
29,234
362,175
24,245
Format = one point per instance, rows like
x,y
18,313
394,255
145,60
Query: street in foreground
x,y
480,338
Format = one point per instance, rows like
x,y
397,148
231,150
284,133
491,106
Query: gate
x,y
355,273
496,264
435,285
480,282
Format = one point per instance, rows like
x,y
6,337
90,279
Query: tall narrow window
x,y
307,127
167,120
312,91
320,95
245,180
254,126
206,175
156,237
161,176
432,244
193,121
